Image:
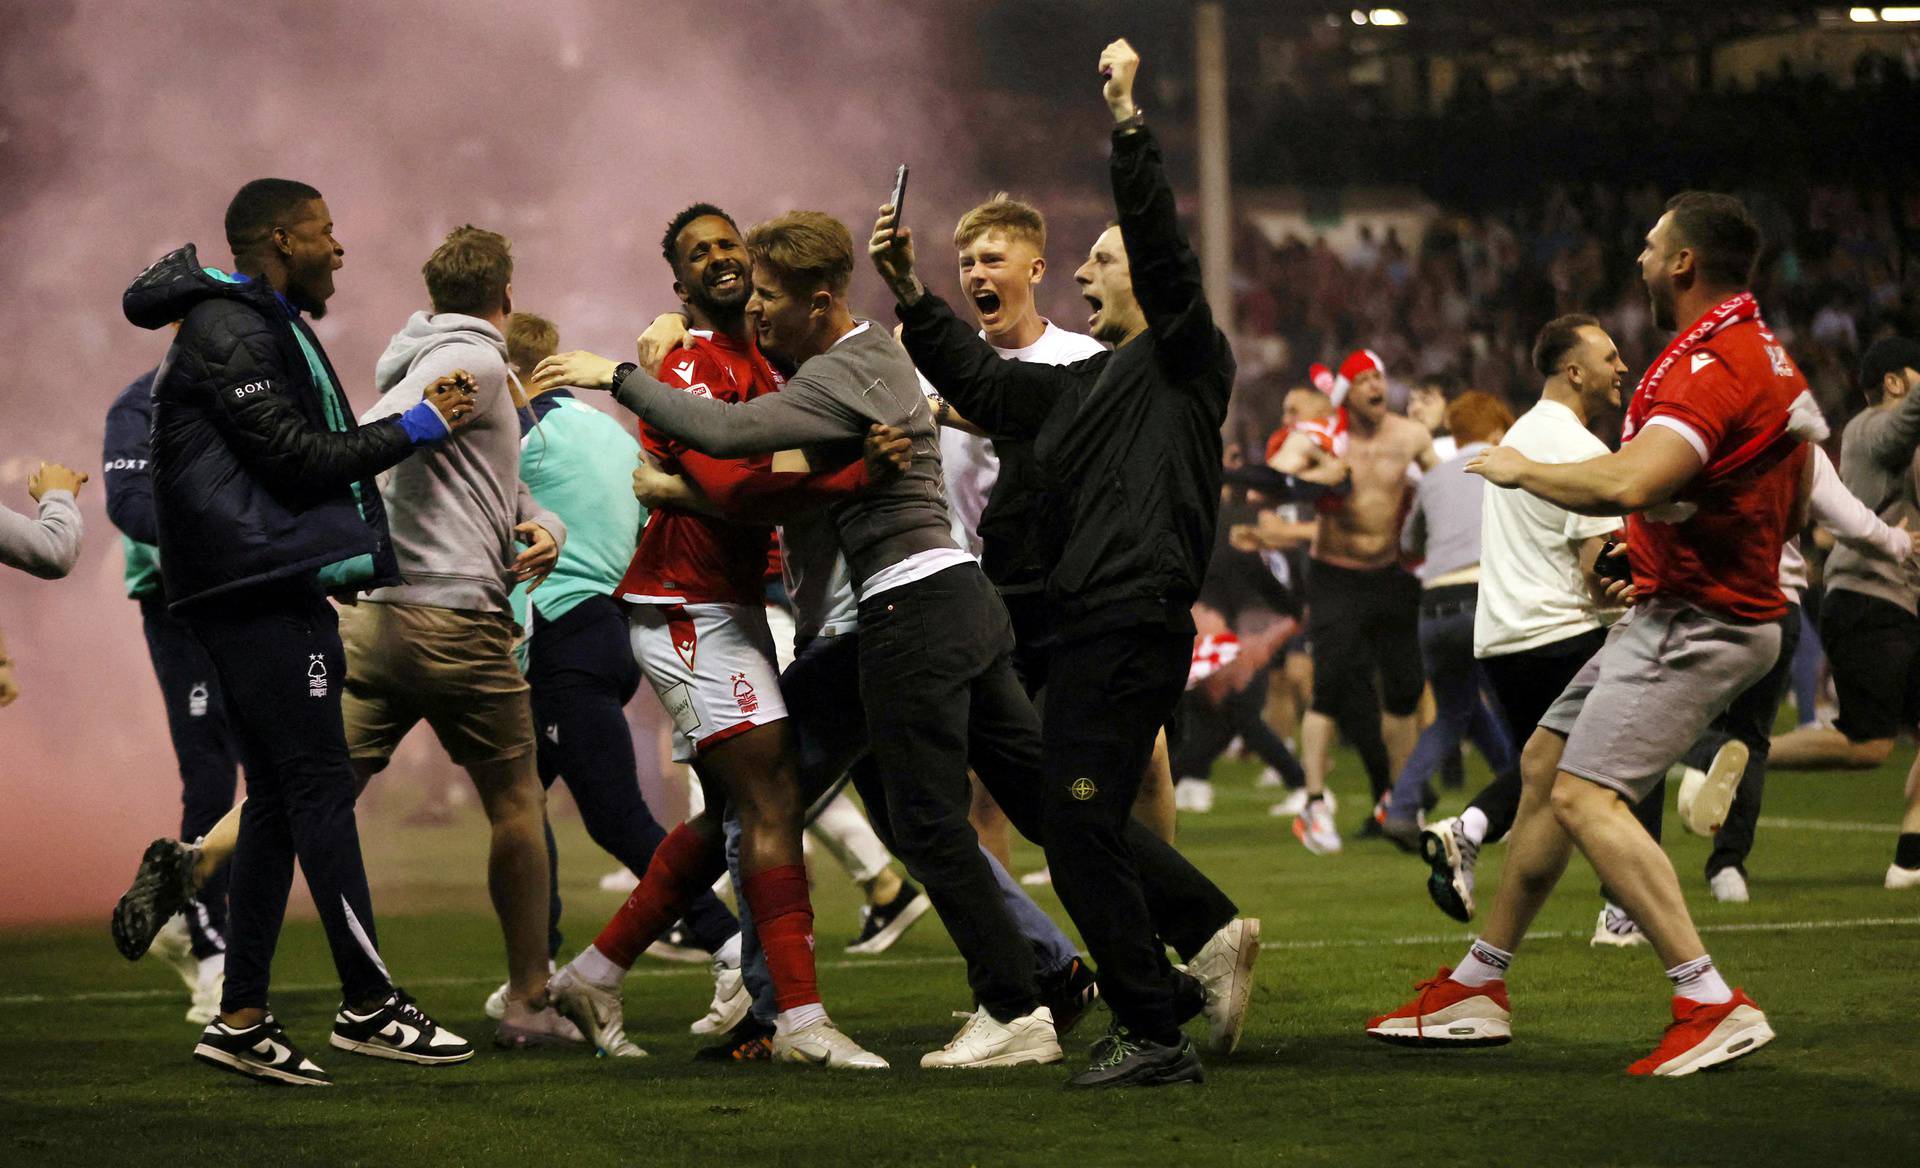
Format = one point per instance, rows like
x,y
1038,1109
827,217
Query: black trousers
x,y
582,675
1126,889
1206,729
204,749
278,657
1365,628
1527,684
1750,719
937,680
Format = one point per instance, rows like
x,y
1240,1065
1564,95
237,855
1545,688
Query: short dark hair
x,y
670,242
1557,338
807,251
469,272
530,340
1722,234
259,207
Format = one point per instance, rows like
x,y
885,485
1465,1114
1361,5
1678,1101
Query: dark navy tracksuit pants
x,y
583,675
204,747
280,665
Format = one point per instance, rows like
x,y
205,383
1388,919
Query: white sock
x,y
729,953
212,966
1699,981
597,968
1482,964
799,1018
1473,825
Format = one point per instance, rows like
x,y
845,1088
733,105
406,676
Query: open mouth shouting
x,y
986,302
1097,305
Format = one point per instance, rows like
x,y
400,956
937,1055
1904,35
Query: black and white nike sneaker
x,y
161,887
881,926
261,1052
398,1029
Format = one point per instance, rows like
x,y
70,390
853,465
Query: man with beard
x,y
699,630
1713,477
266,504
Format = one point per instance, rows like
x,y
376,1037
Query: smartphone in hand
x,y
899,199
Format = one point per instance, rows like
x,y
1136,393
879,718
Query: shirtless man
x,y
1362,609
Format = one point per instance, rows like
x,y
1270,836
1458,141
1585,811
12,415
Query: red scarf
x,y
1772,444
1721,317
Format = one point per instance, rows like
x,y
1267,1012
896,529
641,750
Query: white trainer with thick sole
x,y
824,1045
1898,877
984,1041
597,1011
731,1001
1706,796
1224,968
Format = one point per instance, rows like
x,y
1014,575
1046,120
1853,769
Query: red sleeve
x,y
1709,402
747,494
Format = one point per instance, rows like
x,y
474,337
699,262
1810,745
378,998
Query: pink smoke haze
x,y
576,127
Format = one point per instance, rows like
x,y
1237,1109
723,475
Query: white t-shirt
x,y
967,461
1531,589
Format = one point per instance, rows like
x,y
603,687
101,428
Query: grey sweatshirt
x,y
452,507
45,547
1444,524
825,410
1878,463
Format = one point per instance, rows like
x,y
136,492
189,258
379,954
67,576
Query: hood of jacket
x,y
177,281
425,332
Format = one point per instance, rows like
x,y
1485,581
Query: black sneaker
x,y
747,1042
1070,993
261,1052
881,926
1122,1059
161,888
397,1029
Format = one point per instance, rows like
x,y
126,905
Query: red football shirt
x,y
1717,544
690,558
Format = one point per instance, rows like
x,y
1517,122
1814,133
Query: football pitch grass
x,y
95,1067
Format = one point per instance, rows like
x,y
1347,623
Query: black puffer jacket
x,y
260,474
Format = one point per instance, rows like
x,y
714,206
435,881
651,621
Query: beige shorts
x,y
454,669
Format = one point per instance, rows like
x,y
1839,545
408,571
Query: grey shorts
x,y
1666,671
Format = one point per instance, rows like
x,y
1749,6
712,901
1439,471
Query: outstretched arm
x,y
1646,472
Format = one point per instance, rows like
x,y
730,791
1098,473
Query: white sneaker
x,y
596,1011
731,1001
1706,796
1039,879
823,1045
174,945
984,1041
1269,778
1224,968
1728,886
1314,828
1898,877
1617,929
1296,803
206,994
497,1000
620,880
1194,795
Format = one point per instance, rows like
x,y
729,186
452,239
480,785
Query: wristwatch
x,y
620,372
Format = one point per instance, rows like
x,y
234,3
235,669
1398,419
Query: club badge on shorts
x,y
1082,789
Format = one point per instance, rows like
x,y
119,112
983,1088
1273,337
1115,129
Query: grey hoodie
x,y
452,507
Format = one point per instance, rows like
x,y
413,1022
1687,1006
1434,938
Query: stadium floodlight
x,y
1358,16
1895,15
1387,17
1862,15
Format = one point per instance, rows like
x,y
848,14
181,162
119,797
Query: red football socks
x,y
683,865
783,916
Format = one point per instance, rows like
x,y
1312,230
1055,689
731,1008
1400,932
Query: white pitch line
x,y
1828,825
690,970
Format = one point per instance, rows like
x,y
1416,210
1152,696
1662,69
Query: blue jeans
x,y
1463,707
